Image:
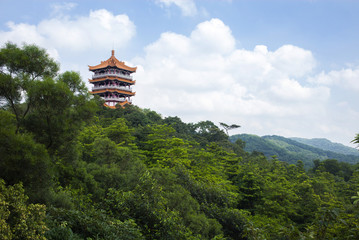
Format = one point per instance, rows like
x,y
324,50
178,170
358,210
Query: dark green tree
x,y
23,160
356,139
229,127
50,106
19,68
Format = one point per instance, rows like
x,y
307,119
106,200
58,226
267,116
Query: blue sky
x,y
285,67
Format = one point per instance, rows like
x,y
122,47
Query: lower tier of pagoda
x,y
117,87
113,105
112,97
112,101
101,91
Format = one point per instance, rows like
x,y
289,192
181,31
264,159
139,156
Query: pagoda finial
x,y
113,52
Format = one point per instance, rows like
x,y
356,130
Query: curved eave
x,y
112,62
113,90
132,82
120,66
112,107
122,104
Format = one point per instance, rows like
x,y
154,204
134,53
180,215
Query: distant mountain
x,y
325,144
289,150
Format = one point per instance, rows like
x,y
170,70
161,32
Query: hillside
x,y
325,144
289,150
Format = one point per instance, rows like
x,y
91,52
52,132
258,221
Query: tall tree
x,y
50,106
59,108
19,68
23,160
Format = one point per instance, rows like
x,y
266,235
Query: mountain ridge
x,y
290,150
326,144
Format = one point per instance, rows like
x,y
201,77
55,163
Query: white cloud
x,y
290,89
213,36
97,31
293,61
206,63
204,76
346,78
188,7
59,9
99,28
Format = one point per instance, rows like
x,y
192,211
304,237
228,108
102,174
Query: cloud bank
x,y
204,76
187,7
66,35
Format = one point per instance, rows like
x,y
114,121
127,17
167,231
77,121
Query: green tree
x,y
23,160
18,219
356,139
180,200
207,131
89,223
119,132
183,130
229,127
50,106
19,68
147,206
60,107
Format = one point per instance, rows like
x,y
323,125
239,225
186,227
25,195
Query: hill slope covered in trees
x,y
327,145
73,169
289,150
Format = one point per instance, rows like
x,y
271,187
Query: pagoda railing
x,y
117,99
101,75
128,89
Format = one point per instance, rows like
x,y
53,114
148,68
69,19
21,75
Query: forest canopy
x,y
74,169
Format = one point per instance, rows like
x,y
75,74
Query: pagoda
x,y
113,81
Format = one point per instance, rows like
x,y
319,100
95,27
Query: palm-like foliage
x,y
229,127
356,139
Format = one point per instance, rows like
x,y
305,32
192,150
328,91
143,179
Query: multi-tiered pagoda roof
x,y
113,81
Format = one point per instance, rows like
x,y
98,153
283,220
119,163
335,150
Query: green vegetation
x,y
73,169
325,144
228,127
291,151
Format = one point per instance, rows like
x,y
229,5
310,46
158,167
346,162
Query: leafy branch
x,y
229,127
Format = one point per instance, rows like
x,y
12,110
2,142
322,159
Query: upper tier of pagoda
x,y
113,62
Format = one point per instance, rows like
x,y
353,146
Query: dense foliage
x,y
73,169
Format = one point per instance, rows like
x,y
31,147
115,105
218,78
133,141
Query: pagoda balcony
x,y
116,99
128,89
101,75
